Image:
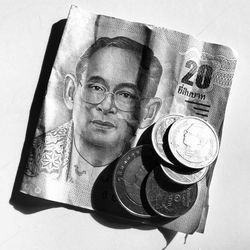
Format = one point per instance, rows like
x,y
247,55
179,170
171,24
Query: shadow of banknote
x,y
22,202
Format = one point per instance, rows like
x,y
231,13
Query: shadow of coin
x,y
168,152
145,138
108,210
103,197
179,169
149,157
165,183
150,162
144,201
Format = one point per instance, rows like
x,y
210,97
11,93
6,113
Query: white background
x,y
24,32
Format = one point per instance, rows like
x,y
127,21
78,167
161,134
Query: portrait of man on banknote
x,y
110,95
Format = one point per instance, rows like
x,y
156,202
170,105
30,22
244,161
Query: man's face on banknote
x,y
106,101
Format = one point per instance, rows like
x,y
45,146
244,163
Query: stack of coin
x,y
144,190
186,145
193,142
161,179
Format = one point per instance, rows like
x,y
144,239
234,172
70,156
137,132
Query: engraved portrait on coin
x,y
193,142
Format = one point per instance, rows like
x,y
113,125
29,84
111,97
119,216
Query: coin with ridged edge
x,y
130,177
184,176
193,142
158,132
167,199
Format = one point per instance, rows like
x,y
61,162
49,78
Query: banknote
x,y
112,79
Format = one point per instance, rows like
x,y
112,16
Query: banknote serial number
x,y
204,74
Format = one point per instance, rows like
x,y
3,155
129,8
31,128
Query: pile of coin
x,y
160,178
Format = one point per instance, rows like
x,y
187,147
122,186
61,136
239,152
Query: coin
x,y
184,176
167,199
158,132
129,180
193,142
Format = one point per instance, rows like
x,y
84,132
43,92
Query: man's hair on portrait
x,y
150,70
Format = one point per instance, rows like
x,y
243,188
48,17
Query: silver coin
x,y
193,142
129,180
158,132
169,200
185,177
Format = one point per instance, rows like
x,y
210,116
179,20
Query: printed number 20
x,y
204,74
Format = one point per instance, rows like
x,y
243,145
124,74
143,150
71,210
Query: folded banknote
x,y
111,81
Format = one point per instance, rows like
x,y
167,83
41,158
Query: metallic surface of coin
x,y
193,142
158,133
184,177
169,200
129,180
